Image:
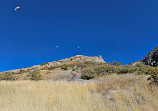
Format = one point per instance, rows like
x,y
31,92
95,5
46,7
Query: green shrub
x,y
95,70
123,71
88,76
153,76
73,69
153,79
7,76
35,75
22,71
65,67
116,63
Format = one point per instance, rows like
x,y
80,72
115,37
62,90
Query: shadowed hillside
x,y
151,58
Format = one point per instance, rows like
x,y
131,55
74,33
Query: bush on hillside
x,y
94,70
116,63
65,67
35,75
97,70
6,76
153,78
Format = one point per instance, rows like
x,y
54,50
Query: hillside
x,y
53,70
80,83
72,60
152,58
113,93
79,68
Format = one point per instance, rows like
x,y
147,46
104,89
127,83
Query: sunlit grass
x,y
77,96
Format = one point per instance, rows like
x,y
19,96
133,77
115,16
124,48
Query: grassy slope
x,y
115,93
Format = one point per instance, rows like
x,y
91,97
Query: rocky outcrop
x,y
71,60
135,63
152,58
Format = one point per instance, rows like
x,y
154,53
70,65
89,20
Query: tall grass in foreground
x,y
75,96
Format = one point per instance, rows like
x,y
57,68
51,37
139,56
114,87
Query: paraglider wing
x,y
17,8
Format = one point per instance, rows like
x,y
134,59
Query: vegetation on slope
x,y
116,93
90,70
7,76
35,75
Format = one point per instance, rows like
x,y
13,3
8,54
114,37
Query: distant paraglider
x,y
17,8
57,46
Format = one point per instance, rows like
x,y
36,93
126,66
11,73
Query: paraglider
x,y
57,46
17,8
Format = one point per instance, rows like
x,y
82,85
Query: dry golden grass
x,y
113,95
130,93
48,96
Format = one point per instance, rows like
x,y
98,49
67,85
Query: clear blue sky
x,y
119,30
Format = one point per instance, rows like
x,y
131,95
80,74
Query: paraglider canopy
x,y
16,8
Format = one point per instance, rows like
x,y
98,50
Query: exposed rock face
x,y
135,63
99,59
152,58
81,58
71,60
